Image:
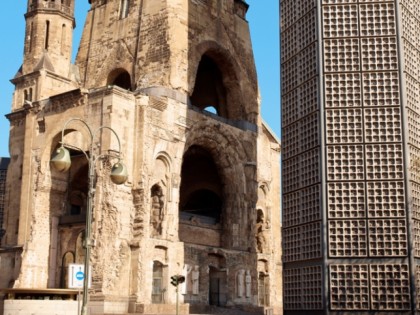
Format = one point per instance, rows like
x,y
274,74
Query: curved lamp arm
x,y
61,159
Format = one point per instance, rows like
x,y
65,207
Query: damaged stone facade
x,y
176,81
4,163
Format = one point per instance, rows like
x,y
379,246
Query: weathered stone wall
x,y
215,29
13,182
104,29
137,230
270,260
9,262
48,33
38,307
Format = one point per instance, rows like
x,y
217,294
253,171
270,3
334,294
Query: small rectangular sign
x,y
77,276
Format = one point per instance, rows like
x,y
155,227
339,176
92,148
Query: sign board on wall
x,y
77,275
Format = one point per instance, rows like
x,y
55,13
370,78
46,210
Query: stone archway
x,y
239,102
229,158
209,89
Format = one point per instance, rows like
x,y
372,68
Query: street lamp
x,y
176,281
61,162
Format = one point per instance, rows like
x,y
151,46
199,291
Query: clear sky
x,y
263,17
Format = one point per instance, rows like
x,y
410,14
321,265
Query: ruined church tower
x,y
46,68
175,80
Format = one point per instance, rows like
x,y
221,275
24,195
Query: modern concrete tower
x,y
351,156
175,80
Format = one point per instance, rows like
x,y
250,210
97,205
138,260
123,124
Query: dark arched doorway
x,y
217,286
121,78
201,188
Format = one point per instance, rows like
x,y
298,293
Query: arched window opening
x,y
78,189
68,258
47,34
124,6
209,90
63,39
263,289
157,285
30,37
25,95
74,203
80,251
201,187
120,78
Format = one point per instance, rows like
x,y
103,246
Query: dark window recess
x,y
75,210
120,78
204,203
209,92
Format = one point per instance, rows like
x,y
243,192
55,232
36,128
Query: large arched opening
x,y
209,91
201,187
68,204
217,86
201,198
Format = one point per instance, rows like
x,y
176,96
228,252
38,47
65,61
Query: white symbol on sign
x,y
80,275
77,276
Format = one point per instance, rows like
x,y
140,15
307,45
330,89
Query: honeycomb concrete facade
x,y
350,102
176,81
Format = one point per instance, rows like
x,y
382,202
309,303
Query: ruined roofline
x,y
270,131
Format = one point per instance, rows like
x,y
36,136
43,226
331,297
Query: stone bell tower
x,y
176,81
46,71
46,68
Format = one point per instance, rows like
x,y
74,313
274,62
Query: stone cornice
x,y
111,89
10,249
17,115
61,102
24,77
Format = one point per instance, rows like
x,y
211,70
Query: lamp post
x,y
176,281
61,162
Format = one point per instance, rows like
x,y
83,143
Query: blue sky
x,y
263,17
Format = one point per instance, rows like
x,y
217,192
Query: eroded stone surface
x,y
202,196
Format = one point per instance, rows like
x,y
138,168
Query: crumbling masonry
x,y
176,81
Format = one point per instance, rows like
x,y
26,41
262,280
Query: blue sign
x,y
77,276
80,275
